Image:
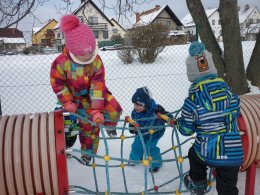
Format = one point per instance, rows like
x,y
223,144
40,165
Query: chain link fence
x,y
25,86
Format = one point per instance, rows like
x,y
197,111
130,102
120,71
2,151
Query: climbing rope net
x,y
121,162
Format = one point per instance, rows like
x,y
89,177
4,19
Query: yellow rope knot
x,y
151,131
150,158
210,183
122,137
174,147
145,162
180,159
122,165
94,165
177,192
93,136
107,158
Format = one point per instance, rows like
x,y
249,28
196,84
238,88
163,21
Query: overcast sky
x,y
179,7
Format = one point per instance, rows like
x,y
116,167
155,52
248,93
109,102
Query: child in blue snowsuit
x,y
146,107
211,111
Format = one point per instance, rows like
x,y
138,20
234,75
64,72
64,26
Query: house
x,y
158,14
163,15
117,29
11,40
213,17
102,27
249,20
44,36
247,16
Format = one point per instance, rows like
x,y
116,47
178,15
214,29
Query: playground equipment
x,y
33,157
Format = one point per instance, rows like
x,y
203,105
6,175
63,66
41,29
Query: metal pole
x,y
197,32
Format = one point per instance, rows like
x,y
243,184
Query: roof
x,y
112,19
13,40
244,14
188,20
149,16
94,5
11,33
38,29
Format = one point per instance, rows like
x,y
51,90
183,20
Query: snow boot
x,y
85,159
196,188
154,170
111,133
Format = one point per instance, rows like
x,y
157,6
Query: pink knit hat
x,y
79,37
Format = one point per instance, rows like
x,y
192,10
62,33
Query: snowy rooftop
x,y
188,20
148,18
243,14
12,40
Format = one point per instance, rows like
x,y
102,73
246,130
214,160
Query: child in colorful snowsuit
x,y
211,111
146,107
77,77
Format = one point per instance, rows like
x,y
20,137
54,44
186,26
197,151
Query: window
x,y
168,23
218,22
105,34
58,36
251,21
96,34
213,22
93,20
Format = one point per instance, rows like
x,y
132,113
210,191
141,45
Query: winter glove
x,y
132,131
70,107
97,116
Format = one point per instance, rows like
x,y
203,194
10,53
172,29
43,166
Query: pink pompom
x,y
69,22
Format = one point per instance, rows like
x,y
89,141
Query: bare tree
x,y
14,11
253,69
230,65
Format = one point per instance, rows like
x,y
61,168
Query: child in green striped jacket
x,y
211,111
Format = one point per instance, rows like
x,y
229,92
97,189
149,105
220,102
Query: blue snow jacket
x,y
211,111
154,121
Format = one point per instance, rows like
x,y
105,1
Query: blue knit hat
x,y
142,96
199,62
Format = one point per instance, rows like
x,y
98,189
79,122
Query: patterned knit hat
x,y
142,96
79,37
199,62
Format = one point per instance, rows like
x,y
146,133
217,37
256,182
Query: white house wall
x,y
90,10
215,25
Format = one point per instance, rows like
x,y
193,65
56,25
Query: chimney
x,y
82,1
157,6
137,17
246,6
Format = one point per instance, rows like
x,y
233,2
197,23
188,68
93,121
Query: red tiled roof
x,y
11,33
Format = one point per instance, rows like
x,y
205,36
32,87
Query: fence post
x,y
197,32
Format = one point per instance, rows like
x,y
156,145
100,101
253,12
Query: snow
x,y
12,40
24,87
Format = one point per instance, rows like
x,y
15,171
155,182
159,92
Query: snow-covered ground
x,y
24,88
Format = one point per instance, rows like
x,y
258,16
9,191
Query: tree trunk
x,y
253,69
201,20
233,53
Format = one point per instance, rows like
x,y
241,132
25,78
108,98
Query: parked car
x,y
11,53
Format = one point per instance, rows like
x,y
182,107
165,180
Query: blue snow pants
x,y
151,147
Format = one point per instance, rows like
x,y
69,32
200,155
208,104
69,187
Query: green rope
x,y
122,163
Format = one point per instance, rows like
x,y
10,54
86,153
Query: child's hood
x,y
211,93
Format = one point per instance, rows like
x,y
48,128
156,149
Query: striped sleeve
x,y
186,123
